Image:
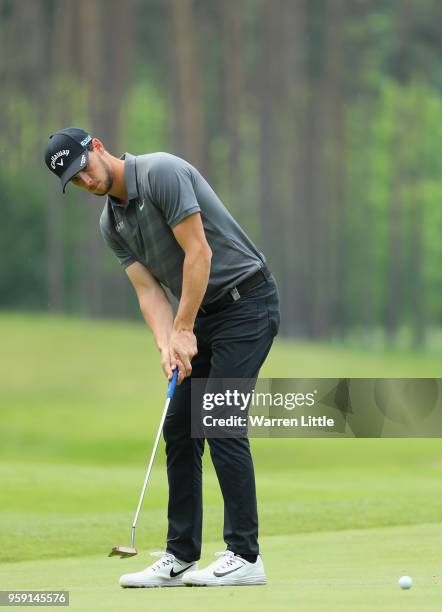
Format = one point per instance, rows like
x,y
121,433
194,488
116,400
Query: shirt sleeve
x,y
124,256
172,189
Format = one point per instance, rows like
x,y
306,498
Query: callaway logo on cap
x,y
66,153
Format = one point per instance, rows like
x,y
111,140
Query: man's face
x,y
97,177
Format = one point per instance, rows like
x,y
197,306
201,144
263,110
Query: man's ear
x,y
97,145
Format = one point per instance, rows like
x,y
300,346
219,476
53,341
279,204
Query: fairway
x,y
350,570
341,519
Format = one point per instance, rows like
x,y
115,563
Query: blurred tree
x,y
394,291
294,223
318,122
189,115
331,314
232,79
104,69
272,116
60,80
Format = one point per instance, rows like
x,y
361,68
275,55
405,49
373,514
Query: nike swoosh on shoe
x,y
219,575
175,574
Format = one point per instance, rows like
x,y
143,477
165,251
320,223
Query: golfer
x,y
173,236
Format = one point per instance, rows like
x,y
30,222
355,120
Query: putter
x,y
130,551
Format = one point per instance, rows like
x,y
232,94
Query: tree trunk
x,y
394,293
60,68
291,109
416,274
332,287
90,56
309,179
232,82
416,240
189,122
103,68
271,93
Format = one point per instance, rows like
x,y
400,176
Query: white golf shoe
x,y
228,570
168,571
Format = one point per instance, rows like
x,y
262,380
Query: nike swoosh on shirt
x,y
174,574
141,206
219,575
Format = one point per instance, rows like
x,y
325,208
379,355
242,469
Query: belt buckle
x,y
235,294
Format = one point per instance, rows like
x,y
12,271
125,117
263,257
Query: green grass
x,y
341,519
333,571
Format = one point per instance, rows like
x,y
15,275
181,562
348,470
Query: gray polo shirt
x,y
163,190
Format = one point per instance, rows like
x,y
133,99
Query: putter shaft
x,y
123,551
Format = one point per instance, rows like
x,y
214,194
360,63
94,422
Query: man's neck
x,y
118,189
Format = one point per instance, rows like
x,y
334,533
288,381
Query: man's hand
x,y
182,348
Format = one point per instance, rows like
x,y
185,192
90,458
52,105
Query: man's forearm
x,y
158,314
196,272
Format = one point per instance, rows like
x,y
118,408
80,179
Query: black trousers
x,y
232,343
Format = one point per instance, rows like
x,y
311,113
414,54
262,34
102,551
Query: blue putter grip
x,y
172,384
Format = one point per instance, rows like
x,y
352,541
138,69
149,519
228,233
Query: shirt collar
x,y
130,178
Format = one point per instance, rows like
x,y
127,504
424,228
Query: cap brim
x,y
74,167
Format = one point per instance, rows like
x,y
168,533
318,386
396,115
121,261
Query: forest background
x,y
318,123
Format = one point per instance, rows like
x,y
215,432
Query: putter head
x,y
123,552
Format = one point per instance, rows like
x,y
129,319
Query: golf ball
x,y
405,582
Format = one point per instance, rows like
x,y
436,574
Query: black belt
x,y
234,294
